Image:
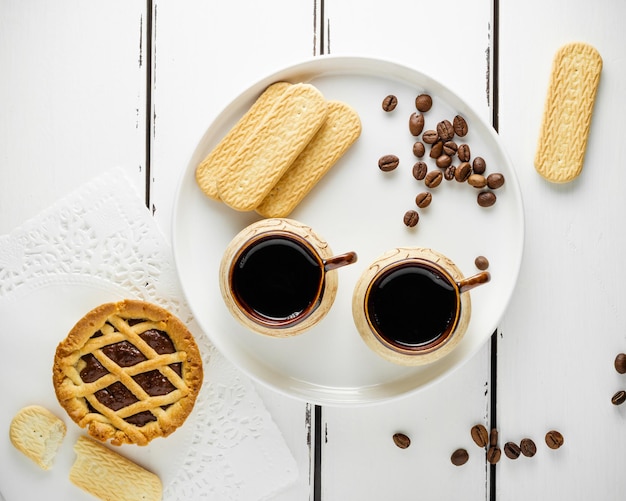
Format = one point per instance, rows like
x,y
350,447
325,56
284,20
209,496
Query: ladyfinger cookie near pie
x,y
37,433
110,476
208,171
340,130
567,114
266,155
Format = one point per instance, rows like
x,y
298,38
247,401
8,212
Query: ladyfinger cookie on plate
x,y
208,171
37,433
262,160
110,476
340,130
567,114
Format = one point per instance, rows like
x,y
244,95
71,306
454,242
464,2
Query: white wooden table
x,y
88,85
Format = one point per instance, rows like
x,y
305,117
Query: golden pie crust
x,y
128,372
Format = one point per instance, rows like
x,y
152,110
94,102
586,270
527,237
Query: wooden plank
x,y
566,321
72,96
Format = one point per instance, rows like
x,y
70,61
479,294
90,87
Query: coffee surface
x,y
412,306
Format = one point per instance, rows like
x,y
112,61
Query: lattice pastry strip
x,y
128,372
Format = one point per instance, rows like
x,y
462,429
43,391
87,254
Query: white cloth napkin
x,y
101,243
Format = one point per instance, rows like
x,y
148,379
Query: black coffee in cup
x,y
413,306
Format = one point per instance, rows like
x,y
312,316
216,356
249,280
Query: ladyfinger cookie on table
x,y
271,149
110,476
567,114
340,130
208,171
37,433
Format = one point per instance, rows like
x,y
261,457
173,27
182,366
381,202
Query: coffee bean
x,y
430,136
423,102
479,165
423,199
486,198
436,149
419,150
477,180
512,450
401,440
528,447
495,180
390,102
619,398
464,153
450,148
482,263
620,363
416,124
443,161
448,174
460,126
459,457
493,437
493,454
445,130
388,163
479,435
463,172
433,178
411,218
554,439
419,170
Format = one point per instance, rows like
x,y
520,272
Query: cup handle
x,y
335,262
474,281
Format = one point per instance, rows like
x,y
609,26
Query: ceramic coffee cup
x,y
279,278
412,305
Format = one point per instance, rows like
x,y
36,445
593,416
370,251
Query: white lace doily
x,y
102,235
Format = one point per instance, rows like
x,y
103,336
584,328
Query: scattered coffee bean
x,y
423,199
479,435
419,170
419,150
464,153
390,102
433,178
528,447
416,124
477,180
411,218
459,457
493,454
388,163
450,148
495,180
445,130
493,437
401,440
554,439
436,149
460,126
430,137
619,398
620,363
443,161
448,174
486,198
479,165
482,263
463,172
512,450
423,102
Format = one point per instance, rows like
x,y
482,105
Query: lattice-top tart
x,y
128,372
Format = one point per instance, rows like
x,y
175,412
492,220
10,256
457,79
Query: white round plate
x,y
357,207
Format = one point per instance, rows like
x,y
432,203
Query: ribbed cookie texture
x,y
567,114
340,130
111,477
211,168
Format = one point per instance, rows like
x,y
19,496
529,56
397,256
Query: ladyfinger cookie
x,y
110,476
567,114
37,433
208,171
262,160
340,130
